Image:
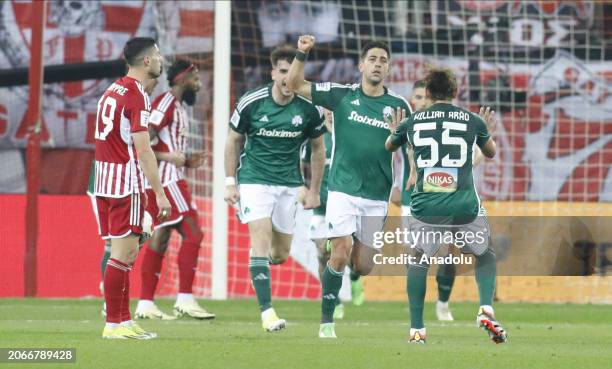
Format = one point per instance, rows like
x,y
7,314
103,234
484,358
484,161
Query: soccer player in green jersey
x,y
263,183
444,201
400,196
360,175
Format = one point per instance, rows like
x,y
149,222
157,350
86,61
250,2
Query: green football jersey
x,y
360,165
327,138
274,135
443,137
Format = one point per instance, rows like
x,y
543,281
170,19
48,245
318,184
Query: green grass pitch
x,y
371,336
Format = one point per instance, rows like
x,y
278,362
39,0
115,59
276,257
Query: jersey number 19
x,y
106,112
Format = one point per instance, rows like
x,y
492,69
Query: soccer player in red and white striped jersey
x,y
123,158
168,128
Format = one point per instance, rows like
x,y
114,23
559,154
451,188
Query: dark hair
x,y
178,67
135,47
284,52
441,84
375,45
419,84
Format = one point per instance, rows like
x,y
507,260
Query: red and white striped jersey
x,y
169,118
123,109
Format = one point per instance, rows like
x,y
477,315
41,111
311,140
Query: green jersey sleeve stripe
x,y
247,100
253,99
244,101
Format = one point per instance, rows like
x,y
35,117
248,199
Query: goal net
x,y
544,66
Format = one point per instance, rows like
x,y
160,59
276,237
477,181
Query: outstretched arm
x,y
295,78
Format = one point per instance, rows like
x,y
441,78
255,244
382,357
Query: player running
x,y
317,230
360,176
275,123
445,200
169,124
123,158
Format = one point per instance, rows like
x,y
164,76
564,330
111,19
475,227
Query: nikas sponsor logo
x,y
440,180
356,117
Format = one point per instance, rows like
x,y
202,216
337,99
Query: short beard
x,y
189,96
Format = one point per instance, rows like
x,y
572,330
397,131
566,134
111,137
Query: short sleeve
x,y
400,136
482,134
138,111
317,123
328,94
240,121
159,119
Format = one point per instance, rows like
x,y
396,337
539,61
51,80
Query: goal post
x,y
221,113
35,81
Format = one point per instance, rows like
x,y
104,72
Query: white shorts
x,y
317,229
351,215
265,201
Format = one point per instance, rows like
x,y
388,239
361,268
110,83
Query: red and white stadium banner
x,y
555,145
85,31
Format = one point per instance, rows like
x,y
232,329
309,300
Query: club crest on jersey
x,y
296,121
440,180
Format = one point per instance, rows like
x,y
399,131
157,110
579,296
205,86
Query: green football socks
x,y
417,285
486,272
330,284
260,277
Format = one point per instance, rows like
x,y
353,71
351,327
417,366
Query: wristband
x,y
301,56
230,181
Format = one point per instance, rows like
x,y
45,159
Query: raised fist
x,y
305,43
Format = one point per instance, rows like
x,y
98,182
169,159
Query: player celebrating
x,y
168,127
400,195
444,199
360,176
123,155
275,123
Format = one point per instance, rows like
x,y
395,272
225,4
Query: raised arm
x,y
489,148
295,78
397,127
